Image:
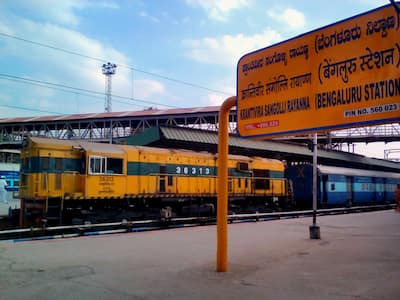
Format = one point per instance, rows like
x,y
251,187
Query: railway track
x,y
56,232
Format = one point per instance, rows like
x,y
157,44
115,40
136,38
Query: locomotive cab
x,y
105,171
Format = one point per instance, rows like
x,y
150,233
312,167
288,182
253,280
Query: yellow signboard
x,y
343,75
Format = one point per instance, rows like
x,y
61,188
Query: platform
x,y
358,257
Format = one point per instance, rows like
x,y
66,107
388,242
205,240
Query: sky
x,y
169,53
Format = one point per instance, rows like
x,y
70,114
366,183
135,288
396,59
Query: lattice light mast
x,y
108,70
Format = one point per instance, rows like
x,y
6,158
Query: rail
x,y
41,233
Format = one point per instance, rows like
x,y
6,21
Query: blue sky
x,y
169,53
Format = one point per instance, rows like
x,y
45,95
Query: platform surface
x,y
358,257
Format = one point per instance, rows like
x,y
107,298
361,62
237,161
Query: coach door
x,y
379,190
349,190
325,189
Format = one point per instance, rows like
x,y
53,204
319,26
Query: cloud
x,y
218,10
61,12
292,17
5,28
145,88
58,12
377,149
105,4
227,50
4,98
41,63
145,15
224,84
373,2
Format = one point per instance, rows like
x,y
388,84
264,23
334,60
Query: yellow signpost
x,y
343,75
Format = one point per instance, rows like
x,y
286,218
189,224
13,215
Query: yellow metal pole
x,y
222,204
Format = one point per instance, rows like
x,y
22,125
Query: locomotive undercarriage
x,y
55,211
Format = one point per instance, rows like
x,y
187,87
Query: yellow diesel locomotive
x,y
62,180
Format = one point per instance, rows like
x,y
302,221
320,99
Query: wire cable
x,y
97,98
118,64
30,109
81,89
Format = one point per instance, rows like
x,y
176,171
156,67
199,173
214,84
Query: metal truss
x,y
388,130
108,129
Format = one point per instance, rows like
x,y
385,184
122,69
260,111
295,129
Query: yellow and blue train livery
x,y
61,177
339,186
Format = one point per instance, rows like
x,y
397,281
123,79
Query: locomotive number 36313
x,y
192,170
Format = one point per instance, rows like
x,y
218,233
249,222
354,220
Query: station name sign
x,y
344,75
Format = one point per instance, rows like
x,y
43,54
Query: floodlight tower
x,y
108,70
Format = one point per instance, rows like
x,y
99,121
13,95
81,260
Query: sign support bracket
x,y
222,201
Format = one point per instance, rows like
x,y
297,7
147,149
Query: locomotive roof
x,y
91,147
120,149
102,148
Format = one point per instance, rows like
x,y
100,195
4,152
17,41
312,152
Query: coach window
x,y
332,186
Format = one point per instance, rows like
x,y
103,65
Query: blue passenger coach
x,y
342,186
10,167
11,174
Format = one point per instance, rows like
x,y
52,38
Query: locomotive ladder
x,y
53,209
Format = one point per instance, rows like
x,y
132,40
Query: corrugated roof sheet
x,y
356,172
144,113
200,136
174,133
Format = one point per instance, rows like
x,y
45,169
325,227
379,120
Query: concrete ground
x,y
358,257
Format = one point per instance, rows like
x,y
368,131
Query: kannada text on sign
x,y
343,75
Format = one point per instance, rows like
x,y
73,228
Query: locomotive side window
x,y
97,165
59,164
105,165
45,163
163,169
242,166
114,165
